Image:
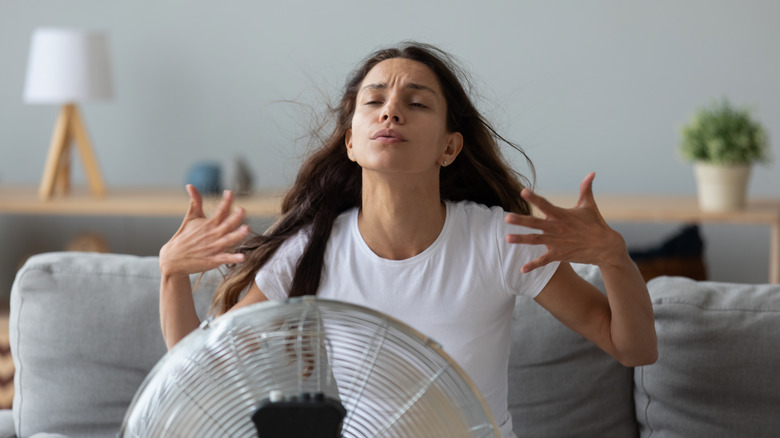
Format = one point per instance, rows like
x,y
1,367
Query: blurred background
x,y
582,86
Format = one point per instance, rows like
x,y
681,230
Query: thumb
x,y
195,209
586,190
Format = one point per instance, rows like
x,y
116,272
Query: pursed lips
x,y
388,136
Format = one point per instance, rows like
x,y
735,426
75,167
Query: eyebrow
x,y
411,85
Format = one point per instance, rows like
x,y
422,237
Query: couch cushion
x,y
718,362
84,332
561,384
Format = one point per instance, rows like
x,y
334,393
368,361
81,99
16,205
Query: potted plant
x,y
723,142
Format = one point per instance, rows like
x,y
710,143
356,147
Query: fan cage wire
x,y
389,377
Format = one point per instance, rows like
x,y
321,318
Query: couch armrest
x,y
84,332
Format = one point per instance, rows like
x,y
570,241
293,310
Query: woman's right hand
x,y
201,243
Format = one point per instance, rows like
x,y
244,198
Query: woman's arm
x,y
199,245
177,308
621,323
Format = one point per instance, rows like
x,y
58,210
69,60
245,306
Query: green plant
x,y
722,134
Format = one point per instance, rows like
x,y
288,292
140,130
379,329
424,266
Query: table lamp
x,y
67,67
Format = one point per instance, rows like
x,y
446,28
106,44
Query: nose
x,y
392,112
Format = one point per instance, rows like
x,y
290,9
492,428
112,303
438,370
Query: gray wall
x,y
582,85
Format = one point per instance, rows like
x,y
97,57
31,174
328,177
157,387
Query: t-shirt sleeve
x,y
275,278
513,256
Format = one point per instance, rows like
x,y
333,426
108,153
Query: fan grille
x,y
392,380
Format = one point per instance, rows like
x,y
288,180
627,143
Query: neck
x,y
399,221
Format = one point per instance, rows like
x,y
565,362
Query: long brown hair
x,y
328,183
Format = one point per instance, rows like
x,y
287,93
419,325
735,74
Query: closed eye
x,y
418,105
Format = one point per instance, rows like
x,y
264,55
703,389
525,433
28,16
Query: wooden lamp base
x,y
56,175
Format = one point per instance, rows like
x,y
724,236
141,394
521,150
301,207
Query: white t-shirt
x,y
460,291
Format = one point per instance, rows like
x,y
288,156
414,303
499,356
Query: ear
x,y
453,148
348,143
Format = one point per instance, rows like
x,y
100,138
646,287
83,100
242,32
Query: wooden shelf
x,y
173,203
154,202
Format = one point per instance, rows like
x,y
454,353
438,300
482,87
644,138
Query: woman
x,y
409,208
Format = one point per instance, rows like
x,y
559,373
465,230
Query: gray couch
x,y
85,331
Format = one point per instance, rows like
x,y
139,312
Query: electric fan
x,y
307,367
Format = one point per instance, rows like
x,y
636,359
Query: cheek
x,y
355,127
360,127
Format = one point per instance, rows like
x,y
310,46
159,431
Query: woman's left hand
x,y
575,235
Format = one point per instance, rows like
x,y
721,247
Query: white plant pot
x,y
721,187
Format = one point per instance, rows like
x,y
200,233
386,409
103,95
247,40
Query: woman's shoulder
x,y
477,220
345,219
471,209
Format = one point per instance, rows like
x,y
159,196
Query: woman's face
x,y
399,125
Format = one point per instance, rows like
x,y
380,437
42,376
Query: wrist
x,y
615,254
168,274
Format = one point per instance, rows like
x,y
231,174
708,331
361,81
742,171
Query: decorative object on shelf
x,y
680,255
242,178
723,142
67,67
206,177
88,241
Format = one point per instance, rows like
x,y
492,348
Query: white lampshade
x,y
68,66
